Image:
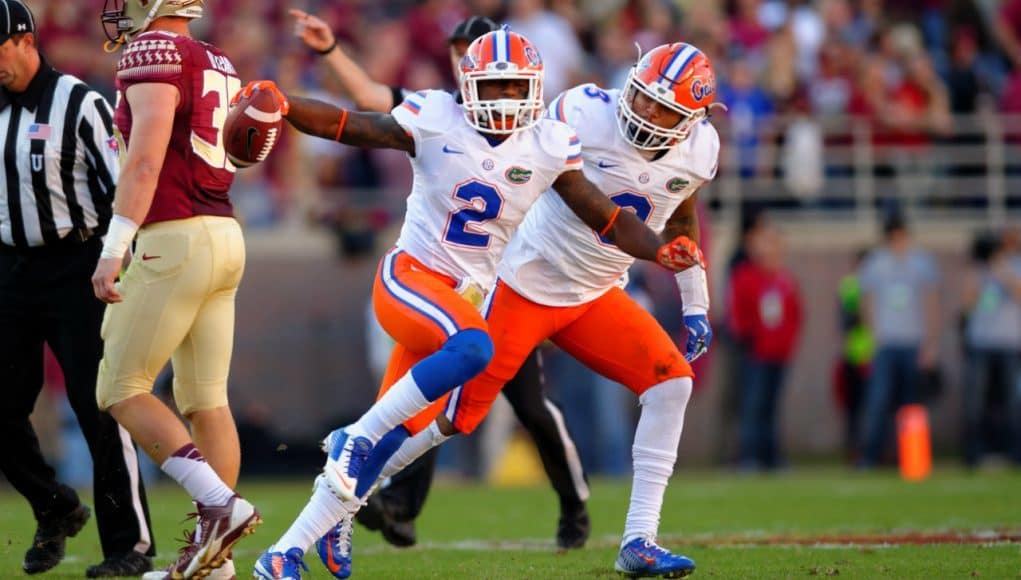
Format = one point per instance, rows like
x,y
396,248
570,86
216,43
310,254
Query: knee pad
x,y
191,397
671,396
474,350
110,390
463,356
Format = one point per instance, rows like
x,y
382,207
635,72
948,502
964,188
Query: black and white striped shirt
x,y
58,160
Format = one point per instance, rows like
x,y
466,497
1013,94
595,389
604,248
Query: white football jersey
x,y
557,260
469,195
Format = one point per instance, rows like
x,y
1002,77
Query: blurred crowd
x,y
907,67
910,69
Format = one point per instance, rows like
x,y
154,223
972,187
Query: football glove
x,y
700,334
271,86
680,254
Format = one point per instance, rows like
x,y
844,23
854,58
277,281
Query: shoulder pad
x,y
152,56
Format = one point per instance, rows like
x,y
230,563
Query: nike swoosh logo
x,y
605,165
252,134
447,149
331,565
146,257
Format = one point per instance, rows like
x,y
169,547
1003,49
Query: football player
x,y
650,147
176,299
478,167
406,492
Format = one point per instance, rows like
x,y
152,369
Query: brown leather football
x,y
252,129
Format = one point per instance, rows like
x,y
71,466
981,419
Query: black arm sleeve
x,y
397,95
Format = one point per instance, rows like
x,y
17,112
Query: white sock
x,y
321,513
188,467
401,402
654,453
412,449
324,510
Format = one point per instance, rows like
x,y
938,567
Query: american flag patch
x,y
113,145
39,131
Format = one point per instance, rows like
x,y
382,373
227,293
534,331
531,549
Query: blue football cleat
x,y
280,566
345,456
335,548
642,558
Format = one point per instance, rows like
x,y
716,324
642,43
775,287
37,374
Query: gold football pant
x,y
178,304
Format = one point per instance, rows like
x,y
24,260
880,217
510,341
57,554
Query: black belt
x,y
76,237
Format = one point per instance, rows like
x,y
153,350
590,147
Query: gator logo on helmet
x,y
701,89
532,55
643,64
518,175
468,62
676,184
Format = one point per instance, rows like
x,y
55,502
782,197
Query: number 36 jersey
x,y
469,193
555,259
196,173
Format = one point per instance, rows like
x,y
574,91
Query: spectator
x,y
992,302
900,304
765,315
555,40
749,112
855,357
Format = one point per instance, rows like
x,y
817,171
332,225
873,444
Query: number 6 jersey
x,y
557,260
196,174
470,193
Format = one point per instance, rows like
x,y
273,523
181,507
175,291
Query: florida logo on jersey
x,y
518,175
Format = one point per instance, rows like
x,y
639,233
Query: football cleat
x,y
279,565
345,456
642,558
208,548
573,529
335,547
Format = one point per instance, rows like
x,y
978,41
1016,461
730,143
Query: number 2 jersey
x,y
470,193
557,260
196,174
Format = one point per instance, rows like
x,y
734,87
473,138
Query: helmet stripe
x,y
500,46
678,62
507,44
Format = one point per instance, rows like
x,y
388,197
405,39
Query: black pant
x,y
409,488
46,297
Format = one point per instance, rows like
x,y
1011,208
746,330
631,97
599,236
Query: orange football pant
x,y
612,335
420,310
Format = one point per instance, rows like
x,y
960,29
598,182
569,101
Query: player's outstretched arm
x,y
367,94
623,228
312,117
370,130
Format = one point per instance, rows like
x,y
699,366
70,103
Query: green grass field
x,y
819,522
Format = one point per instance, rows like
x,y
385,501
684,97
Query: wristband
x,y
694,290
340,125
609,224
118,237
328,49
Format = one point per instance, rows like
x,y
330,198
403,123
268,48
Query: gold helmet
x,y
125,19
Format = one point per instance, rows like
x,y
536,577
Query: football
x,y
252,129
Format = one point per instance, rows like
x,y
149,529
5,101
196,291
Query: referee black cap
x,y
15,18
471,28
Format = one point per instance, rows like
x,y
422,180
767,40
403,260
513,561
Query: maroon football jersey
x,y
196,173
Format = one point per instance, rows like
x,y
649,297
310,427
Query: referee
x,y
58,166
